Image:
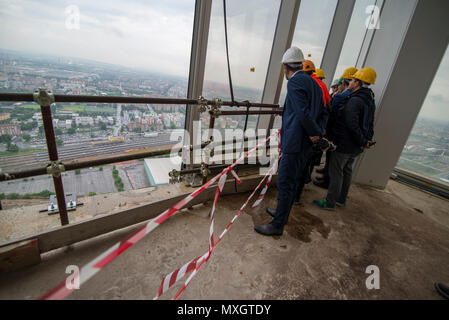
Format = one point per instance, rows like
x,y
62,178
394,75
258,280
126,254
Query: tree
x,y
71,131
58,132
26,137
13,148
58,142
28,126
73,124
103,126
5,138
41,131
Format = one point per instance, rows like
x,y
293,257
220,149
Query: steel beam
x,y
414,32
285,28
337,35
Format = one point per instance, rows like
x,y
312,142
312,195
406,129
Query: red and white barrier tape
x,y
93,267
194,265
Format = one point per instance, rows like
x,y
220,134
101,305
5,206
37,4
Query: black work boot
x,y
322,184
269,230
271,212
443,290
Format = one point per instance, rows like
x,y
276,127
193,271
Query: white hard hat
x,y
335,82
293,55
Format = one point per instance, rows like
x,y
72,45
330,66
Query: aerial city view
x,y
86,130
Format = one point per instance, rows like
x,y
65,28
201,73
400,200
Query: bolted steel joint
x,y
202,102
7,176
43,97
55,168
204,170
215,108
175,176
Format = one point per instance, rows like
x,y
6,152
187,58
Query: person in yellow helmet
x,y
353,133
319,73
337,103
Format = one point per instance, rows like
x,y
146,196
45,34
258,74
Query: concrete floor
x,y
322,254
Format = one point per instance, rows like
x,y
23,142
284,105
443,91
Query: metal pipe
x,y
233,113
245,163
127,100
70,165
45,99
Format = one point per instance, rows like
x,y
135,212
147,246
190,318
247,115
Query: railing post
x,y
45,98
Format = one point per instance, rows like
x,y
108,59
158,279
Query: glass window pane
x,y
86,47
311,33
354,37
251,25
427,149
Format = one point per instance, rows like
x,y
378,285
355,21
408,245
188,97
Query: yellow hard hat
x,y
349,73
367,75
319,73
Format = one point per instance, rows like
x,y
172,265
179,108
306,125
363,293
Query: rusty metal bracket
x,y
215,111
205,169
7,176
175,176
43,97
202,102
55,168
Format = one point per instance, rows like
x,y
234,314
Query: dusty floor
x,y
322,254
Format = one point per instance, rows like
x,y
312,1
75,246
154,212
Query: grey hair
x,y
294,66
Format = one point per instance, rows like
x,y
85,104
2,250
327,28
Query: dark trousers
x,y
291,167
306,176
340,173
326,166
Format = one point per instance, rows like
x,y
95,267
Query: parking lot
x,y
88,180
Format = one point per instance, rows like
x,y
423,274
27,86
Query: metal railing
x,y
55,167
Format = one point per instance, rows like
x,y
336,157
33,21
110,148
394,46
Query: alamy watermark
x,y
72,282
373,281
72,20
225,146
373,20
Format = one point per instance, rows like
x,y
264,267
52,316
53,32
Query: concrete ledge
x,y
19,255
76,232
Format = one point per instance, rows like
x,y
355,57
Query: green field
x,y
21,151
32,106
77,108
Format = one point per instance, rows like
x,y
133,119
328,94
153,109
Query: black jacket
x,y
354,125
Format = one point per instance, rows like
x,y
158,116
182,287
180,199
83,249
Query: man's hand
x,y
314,138
367,145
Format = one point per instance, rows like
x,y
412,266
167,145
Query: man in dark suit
x,y
300,128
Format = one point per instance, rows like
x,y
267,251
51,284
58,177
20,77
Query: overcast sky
x,y
156,36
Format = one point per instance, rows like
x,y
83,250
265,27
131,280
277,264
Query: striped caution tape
x,y
194,265
93,267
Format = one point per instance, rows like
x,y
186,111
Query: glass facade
x,y
90,48
427,149
311,33
251,26
354,37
